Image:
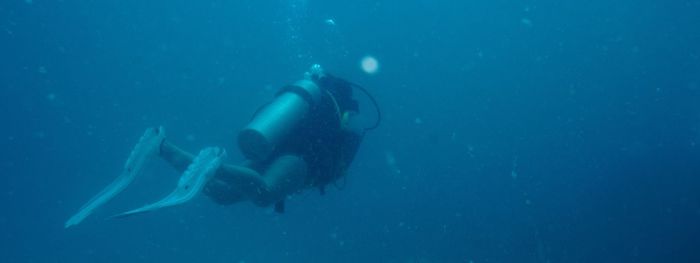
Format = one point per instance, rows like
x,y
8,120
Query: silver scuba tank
x,y
275,121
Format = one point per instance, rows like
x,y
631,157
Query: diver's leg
x,y
233,183
175,156
283,177
180,159
219,191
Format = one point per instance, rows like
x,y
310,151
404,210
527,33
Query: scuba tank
x,y
276,120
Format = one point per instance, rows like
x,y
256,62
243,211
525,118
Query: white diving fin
x,y
198,173
147,147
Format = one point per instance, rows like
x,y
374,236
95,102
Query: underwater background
x,y
513,131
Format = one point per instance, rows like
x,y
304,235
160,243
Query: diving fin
x,y
198,173
147,146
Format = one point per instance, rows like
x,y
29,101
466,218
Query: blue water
x,y
514,131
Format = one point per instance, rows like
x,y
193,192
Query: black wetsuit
x,y
326,147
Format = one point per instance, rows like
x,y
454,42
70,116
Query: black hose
x,y
376,106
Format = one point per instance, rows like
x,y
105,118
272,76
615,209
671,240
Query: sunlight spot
x,y
369,64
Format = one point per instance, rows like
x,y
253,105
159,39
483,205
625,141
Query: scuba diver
x,y
306,137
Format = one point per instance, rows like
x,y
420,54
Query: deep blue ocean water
x,y
513,131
